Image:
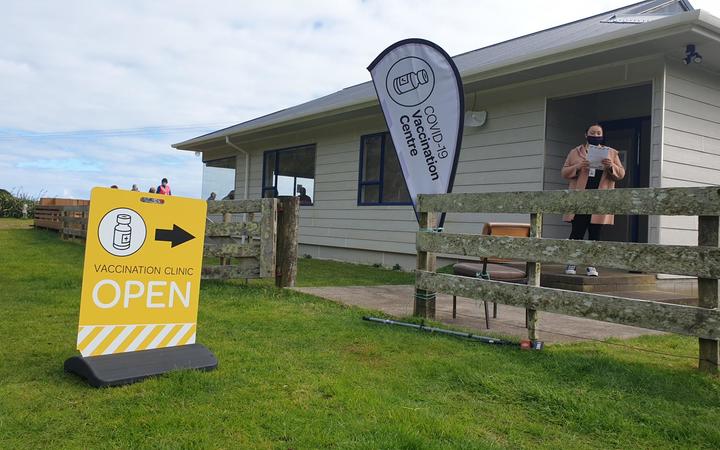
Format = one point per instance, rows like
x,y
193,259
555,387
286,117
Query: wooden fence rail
x,y
50,212
252,243
262,248
48,217
74,221
702,260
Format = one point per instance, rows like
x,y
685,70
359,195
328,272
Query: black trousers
x,y
581,224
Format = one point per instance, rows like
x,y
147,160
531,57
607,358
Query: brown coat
x,y
578,178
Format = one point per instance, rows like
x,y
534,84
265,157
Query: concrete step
x,y
656,296
609,280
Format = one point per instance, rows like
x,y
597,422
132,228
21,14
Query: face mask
x,y
595,140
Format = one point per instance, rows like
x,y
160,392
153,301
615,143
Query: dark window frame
x,y
385,135
277,152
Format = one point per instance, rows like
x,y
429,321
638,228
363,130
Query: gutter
x,y
247,165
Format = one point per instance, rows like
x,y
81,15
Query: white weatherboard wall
x,y
505,154
691,138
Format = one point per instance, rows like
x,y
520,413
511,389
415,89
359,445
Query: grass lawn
x,y
300,372
316,272
8,223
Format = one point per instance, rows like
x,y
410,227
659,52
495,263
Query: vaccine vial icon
x,y
122,232
410,81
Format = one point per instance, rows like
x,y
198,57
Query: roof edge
x,y
691,17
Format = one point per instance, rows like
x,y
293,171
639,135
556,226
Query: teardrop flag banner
x,y
421,95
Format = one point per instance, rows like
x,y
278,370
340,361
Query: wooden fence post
x,y
709,356
533,271
424,304
226,261
63,224
287,241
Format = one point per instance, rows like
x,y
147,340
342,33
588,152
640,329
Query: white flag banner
x,y
421,95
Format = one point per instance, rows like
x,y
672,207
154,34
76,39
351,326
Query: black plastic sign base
x,y
126,368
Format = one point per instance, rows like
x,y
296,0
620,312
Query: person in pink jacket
x,y
164,187
577,169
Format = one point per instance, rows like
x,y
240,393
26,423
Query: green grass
x,y
300,372
10,223
317,272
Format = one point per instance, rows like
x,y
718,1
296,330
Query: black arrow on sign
x,y
176,236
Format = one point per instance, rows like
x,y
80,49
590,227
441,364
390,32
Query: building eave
x,y
362,97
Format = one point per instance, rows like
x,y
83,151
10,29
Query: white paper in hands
x,y
595,156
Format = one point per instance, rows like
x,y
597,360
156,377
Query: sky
x,y
94,93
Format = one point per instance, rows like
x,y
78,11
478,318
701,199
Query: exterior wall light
x,y
691,56
475,119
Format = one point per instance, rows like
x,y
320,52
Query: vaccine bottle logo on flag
x,y
410,81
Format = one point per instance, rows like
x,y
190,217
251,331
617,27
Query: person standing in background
x,y
164,187
582,177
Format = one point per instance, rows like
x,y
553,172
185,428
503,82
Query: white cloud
x,y
80,65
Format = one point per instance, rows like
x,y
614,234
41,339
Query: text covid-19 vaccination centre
x,y
528,102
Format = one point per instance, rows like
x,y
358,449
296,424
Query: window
x,y
290,171
219,178
381,178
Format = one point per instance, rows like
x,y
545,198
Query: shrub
x,y
397,267
11,205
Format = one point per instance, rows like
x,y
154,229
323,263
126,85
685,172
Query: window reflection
x,y
381,178
218,178
290,172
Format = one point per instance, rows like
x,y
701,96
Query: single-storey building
x,y
648,72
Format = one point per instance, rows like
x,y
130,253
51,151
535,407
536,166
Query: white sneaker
x,y
570,270
592,272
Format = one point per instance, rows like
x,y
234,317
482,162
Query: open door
x,y
631,138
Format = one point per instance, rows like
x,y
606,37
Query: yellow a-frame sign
x,y
141,278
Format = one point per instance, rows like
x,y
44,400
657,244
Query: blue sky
x,y
94,93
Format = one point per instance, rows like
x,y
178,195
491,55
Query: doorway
x,y
625,115
631,138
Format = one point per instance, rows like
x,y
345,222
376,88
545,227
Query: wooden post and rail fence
x,y
702,261
59,214
261,245
261,249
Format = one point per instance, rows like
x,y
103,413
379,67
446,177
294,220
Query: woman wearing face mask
x,y
164,187
577,169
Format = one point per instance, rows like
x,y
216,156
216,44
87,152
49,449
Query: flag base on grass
x,y
126,368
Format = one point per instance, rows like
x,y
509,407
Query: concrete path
x,y
398,302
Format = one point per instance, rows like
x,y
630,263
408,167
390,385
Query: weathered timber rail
x,y
50,212
702,260
67,220
264,247
49,217
252,243
74,221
